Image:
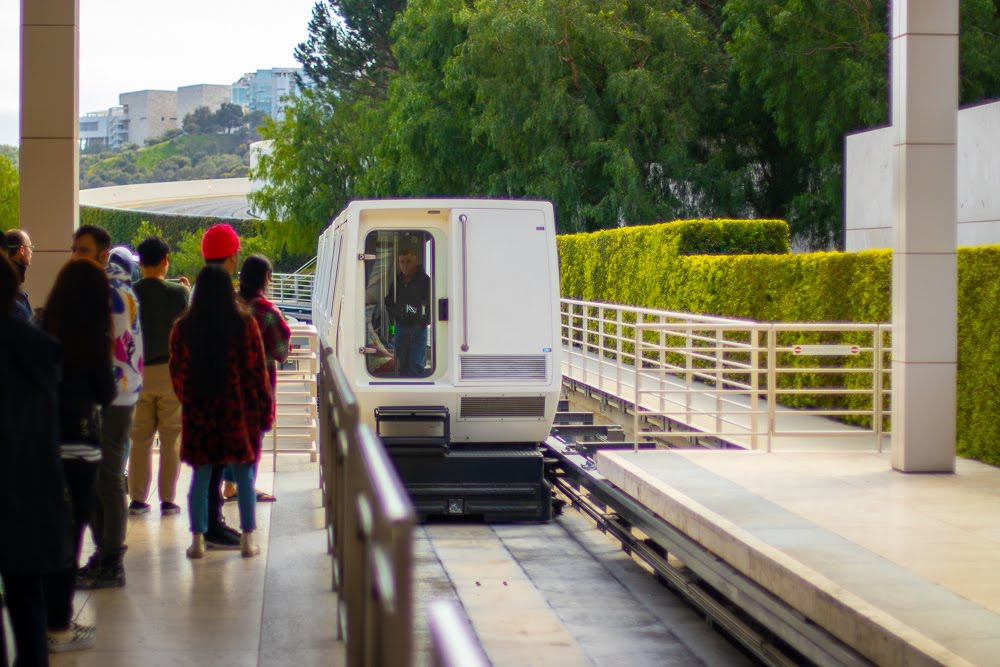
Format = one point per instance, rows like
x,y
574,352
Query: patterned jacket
x,y
225,428
127,349
276,335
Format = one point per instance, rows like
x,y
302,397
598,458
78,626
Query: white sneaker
x,y
247,548
197,548
76,638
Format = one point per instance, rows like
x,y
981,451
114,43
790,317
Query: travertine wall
x,y
190,98
150,113
868,182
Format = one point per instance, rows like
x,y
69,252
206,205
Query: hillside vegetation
x,y
181,158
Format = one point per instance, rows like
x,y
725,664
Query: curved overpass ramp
x,y
224,197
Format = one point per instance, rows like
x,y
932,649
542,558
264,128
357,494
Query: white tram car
x,y
444,315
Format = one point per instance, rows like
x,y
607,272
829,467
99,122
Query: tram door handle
x,y
442,310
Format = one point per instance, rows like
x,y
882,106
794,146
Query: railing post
x,y
772,380
720,380
600,348
637,351
619,357
754,387
661,374
877,396
689,376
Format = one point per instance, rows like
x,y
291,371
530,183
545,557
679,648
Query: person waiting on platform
x,y
33,511
78,314
255,277
219,374
408,303
157,410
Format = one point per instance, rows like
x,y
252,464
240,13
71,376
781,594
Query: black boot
x,y
109,573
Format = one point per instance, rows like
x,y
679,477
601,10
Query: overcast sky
x,y
128,45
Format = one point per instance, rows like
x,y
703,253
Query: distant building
x,y
267,90
151,113
104,129
208,95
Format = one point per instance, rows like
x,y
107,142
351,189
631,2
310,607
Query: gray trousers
x,y
110,517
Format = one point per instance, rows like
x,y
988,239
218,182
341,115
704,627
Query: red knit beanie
x,y
219,242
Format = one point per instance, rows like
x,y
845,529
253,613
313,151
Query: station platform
x,y
899,567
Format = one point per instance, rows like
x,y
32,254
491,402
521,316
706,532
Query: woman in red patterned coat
x,y
218,371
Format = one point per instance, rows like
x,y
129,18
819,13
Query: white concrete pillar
x,y
924,267
49,157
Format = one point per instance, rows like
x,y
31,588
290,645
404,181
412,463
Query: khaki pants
x,y
157,410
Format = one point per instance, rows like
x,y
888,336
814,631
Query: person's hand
x,y
184,281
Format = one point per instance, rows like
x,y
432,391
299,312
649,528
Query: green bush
x,y
631,266
125,226
729,237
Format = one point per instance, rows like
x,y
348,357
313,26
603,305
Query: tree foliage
x,y
9,193
621,112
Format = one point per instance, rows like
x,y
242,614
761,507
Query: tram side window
x,y
399,279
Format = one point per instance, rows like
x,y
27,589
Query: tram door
x,y
400,341
506,303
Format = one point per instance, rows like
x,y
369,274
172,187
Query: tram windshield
x,y
399,284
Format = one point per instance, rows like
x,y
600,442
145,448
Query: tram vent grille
x,y
504,367
532,407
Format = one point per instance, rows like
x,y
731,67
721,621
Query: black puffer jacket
x,y
32,505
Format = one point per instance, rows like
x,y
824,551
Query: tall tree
x,y
822,69
229,116
324,144
9,189
349,44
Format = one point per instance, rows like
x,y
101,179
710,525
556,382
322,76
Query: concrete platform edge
x,y
871,631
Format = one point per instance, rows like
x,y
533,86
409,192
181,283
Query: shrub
x,y
641,268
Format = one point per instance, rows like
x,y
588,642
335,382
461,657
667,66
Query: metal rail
x,y
696,574
453,641
732,379
369,531
292,292
369,526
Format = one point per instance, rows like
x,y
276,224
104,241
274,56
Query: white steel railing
x,y
735,380
292,289
296,422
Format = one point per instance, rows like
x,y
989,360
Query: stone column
x,y
49,157
924,267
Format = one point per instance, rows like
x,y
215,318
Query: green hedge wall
x,y
632,267
122,224
728,237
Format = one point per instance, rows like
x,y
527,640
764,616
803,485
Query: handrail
x,y
727,378
370,523
453,641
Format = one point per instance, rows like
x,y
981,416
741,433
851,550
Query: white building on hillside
x,y
267,90
151,113
100,129
208,95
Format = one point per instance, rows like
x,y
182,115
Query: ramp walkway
x,y
730,379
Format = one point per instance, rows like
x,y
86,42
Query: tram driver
x,y
408,304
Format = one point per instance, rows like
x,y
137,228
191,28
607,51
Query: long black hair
x,y
78,313
215,326
254,276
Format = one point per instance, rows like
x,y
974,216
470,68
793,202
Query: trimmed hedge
x,y
122,224
630,267
728,237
